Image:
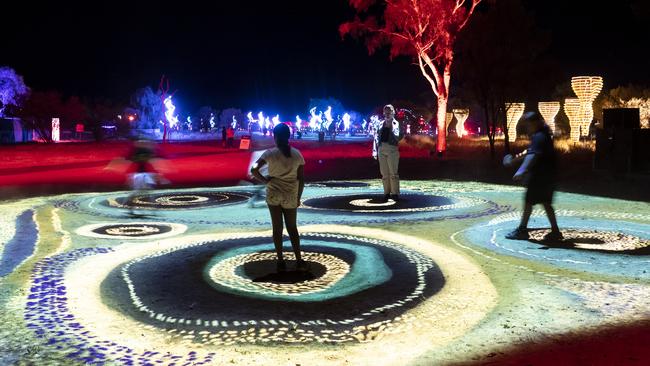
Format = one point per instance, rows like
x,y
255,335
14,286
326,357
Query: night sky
x,y
274,56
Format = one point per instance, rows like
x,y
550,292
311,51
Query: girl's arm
x,y
255,171
301,181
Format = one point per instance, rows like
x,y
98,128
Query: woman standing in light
x,y
284,186
385,148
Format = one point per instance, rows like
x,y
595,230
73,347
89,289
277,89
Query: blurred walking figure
x,y
537,171
284,186
385,149
144,177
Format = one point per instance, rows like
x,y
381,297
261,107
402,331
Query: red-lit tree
x,y
423,29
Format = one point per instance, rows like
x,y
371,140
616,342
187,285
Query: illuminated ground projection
x,y
427,279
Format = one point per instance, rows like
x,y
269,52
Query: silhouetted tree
x,y
39,109
150,110
499,62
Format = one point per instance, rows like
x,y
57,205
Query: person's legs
x,y
276,220
555,233
525,216
290,215
384,170
393,166
521,232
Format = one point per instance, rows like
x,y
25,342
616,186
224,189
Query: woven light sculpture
x,y
448,117
514,111
461,116
549,110
573,110
587,89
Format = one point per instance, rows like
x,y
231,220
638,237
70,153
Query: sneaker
x,y
518,234
554,236
394,197
384,199
281,266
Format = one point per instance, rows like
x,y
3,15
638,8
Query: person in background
x,y
537,171
385,149
230,137
284,186
224,135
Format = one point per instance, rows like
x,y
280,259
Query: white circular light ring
x,y
129,230
224,273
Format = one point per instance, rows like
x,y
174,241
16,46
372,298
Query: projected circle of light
x,y
132,230
393,289
175,201
589,239
594,242
229,273
367,203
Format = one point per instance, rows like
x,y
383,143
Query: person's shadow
x,y
265,271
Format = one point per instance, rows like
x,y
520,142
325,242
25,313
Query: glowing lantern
x,y
461,116
234,122
328,117
573,110
276,120
260,120
346,122
448,117
514,111
56,130
298,122
587,89
549,110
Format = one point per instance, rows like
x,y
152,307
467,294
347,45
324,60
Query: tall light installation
x,y
448,118
549,111
346,122
587,89
514,111
572,109
169,112
56,130
298,122
461,116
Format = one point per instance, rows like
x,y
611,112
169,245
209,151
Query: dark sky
x,y
274,55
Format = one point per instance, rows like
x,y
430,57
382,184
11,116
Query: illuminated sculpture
x,y
169,112
514,111
448,117
346,122
549,110
572,108
461,116
276,120
587,89
328,117
56,130
298,122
